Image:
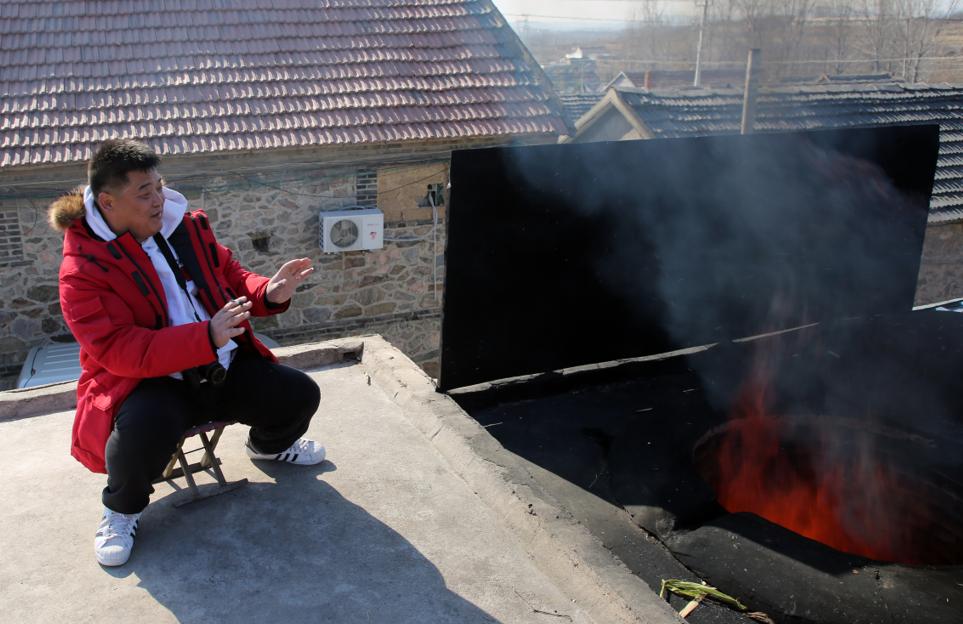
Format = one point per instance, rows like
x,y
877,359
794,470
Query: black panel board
x,y
562,255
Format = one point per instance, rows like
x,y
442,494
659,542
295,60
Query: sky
x,y
597,12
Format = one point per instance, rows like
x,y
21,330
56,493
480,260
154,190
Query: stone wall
x,y
268,216
30,311
395,290
941,270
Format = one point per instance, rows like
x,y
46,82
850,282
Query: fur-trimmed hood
x,y
79,203
66,209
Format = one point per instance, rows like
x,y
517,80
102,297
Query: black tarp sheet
x,y
563,255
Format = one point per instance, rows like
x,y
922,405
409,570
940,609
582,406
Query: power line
x,y
786,62
574,18
686,19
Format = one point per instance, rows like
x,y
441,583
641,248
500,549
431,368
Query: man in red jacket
x,y
161,311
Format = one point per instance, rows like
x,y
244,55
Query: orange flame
x,y
846,503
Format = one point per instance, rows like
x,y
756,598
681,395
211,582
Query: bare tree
x,y
651,17
923,21
777,26
756,15
799,37
650,36
880,33
840,32
796,21
722,14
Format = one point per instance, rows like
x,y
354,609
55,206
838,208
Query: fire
x,y
847,500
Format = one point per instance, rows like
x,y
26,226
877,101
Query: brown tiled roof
x,y
219,75
698,112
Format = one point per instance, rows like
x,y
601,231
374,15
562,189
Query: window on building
x,y
11,244
434,197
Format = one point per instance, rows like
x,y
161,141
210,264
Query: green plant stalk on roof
x,y
698,591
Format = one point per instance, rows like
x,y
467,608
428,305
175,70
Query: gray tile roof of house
x,y
684,113
576,105
880,77
223,75
674,78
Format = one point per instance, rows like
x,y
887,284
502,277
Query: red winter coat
x,y
114,305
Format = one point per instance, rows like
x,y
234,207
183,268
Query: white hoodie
x,y
181,308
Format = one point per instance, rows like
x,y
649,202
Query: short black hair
x,y
114,159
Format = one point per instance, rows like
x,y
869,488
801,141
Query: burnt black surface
x,y
606,434
628,441
628,435
570,254
779,572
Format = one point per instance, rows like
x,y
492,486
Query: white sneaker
x,y
115,537
303,452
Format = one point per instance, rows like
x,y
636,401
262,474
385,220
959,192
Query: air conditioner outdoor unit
x,y
352,230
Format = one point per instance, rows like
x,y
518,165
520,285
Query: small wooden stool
x,y
208,462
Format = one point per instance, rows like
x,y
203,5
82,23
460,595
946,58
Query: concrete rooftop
x,y
414,518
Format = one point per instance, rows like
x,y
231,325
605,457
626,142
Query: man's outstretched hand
x,y
224,324
287,279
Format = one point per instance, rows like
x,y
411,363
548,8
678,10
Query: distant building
x,y
668,79
851,78
578,54
589,52
880,78
725,79
577,73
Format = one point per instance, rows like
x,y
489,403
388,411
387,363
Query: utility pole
x,y
702,27
906,46
749,94
524,30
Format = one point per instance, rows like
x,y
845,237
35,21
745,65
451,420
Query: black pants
x,y
275,400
